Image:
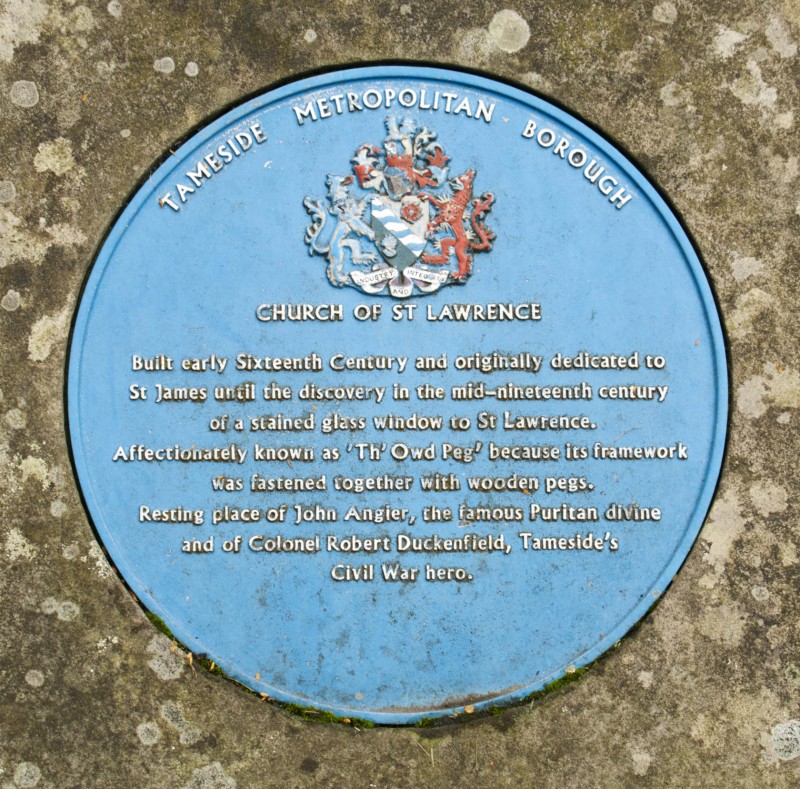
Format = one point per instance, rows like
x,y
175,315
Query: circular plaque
x,y
397,392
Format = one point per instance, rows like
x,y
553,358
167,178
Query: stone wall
x,y
703,95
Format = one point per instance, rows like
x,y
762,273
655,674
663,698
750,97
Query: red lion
x,y
450,214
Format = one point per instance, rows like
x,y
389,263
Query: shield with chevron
x,y
399,230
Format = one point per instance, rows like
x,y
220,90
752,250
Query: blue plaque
x,y
398,392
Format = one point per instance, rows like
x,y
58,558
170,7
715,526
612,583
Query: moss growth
x,y
160,624
209,665
551,687
323,716
567,679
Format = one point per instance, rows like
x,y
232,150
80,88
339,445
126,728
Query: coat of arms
x,y
398,224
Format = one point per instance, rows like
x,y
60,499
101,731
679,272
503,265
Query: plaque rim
x,y
320,79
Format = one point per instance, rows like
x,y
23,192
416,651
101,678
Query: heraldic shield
x,y
399,225
400,230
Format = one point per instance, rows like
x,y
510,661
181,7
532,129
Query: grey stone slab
x,y
703,96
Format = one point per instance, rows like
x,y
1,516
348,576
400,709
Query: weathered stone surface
x,y
704,96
